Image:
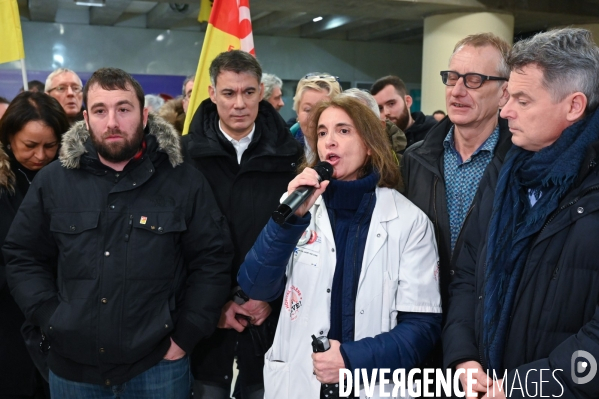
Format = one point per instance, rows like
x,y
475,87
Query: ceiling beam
x,y
109,14
279,21
43,10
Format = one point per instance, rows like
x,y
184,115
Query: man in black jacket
x,y
523,301
394,103
118,252
242,146
442,173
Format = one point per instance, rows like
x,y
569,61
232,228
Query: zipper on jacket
x,y
482,313
575,200
436,222
457,241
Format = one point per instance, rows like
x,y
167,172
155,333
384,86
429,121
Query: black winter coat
x,y
141,256
249,192
555,312
18,375
421,126
424,180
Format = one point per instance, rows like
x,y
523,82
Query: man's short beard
x,y
118,152
404,118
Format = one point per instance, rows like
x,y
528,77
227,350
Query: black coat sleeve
x,y
208,253
554,374
30,253
405,172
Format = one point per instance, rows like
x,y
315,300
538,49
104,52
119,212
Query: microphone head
x,y
324,170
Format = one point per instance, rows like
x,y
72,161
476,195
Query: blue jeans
x,y
166,380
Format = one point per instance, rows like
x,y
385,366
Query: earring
x,y
8,146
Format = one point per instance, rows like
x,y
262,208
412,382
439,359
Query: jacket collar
x,y
7,176
431,148
73,142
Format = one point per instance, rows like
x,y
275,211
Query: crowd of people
x,y
139,263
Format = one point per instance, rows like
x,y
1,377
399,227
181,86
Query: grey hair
x,y
154,101
568,58
365,98
190,78
57,72
270,82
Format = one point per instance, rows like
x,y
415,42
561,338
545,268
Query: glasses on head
x,y
64,88
471,80
318,76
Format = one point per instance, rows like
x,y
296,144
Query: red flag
x,y
229,28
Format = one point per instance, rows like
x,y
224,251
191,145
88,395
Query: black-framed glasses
x,y
64,88
471,80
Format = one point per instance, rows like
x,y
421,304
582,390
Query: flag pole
x,y
24,72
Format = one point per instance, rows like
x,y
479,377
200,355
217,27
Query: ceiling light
x,y
317,19
90,3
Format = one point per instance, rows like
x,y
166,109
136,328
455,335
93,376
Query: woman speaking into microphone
x,y
357,263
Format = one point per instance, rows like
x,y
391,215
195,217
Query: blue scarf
x,y
548,174
350,205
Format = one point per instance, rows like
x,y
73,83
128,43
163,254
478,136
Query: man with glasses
x,y
394,103
66,86
524,296
442,173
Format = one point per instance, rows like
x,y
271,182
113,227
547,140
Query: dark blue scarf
x,y
548,173
350,205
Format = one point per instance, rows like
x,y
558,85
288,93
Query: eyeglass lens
x,y
471,80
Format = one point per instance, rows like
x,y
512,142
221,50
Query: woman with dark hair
x,y
357,263
30,133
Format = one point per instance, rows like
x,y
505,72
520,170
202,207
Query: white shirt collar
x,y
239,145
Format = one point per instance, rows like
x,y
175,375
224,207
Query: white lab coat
x,y
399,274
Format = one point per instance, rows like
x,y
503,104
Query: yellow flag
x,y
11,42
229,28
205,8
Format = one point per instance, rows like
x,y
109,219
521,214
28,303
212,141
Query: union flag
x,y
229,28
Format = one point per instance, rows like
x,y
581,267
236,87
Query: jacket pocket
x,y
154,249
77,237
146,323
389,308
69,331
276,378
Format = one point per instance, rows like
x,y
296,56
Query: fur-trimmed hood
x,y
73,142
7,176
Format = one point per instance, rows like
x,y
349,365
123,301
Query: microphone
x,y
301,194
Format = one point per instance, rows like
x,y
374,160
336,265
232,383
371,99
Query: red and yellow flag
x,y
11,42
229,28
